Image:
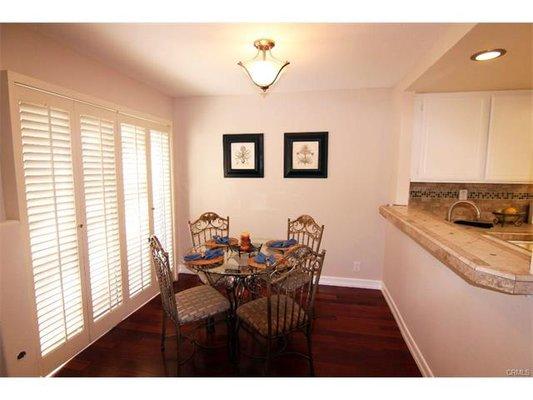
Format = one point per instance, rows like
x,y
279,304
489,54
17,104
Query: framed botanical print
x,y
243,155
306,155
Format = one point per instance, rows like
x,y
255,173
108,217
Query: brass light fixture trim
x,y
264,44
264,69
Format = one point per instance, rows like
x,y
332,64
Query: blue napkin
x,y
221,239
283,243
290,242
263,259
192,257
213,253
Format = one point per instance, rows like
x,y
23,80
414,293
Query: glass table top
x,y
235,263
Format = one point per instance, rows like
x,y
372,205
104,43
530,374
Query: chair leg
x,y
210,325
310,351
163,330
178,350
267,362
231,339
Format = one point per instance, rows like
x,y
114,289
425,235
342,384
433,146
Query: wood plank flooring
x,y
354,335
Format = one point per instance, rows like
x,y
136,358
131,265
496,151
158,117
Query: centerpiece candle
x,y
245,241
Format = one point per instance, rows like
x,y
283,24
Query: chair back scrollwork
x,y
206,226
164,278
291,289
306,231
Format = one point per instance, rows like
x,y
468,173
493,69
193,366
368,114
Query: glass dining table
x,y
236,271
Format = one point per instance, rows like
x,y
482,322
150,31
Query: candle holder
x,y
246,243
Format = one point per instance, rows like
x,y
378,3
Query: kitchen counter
x,y
472,253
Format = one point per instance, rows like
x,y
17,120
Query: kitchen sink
x,y
478,224
522,240
526,244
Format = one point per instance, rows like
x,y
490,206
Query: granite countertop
x,y
480,258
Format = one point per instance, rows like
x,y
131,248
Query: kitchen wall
x,y
359,172
3,371
438,197
456,329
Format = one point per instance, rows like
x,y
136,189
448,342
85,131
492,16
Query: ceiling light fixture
x,y
486,55
264,69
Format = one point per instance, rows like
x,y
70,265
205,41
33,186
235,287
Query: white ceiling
x,y
454,71
201,59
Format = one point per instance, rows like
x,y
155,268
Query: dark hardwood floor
x,y
354,335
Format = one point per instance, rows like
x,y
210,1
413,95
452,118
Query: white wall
x,y
460,329
347,201
402,130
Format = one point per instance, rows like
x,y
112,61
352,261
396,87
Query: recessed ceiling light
x,y
486,55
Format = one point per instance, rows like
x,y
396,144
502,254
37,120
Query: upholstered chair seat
x,y
200,302
286,315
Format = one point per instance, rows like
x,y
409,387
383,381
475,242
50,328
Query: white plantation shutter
x,y
101,214
51,213
88,206
135,180
161,189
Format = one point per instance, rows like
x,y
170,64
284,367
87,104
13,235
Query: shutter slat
x,y
161,189
136,206
47,164
101,212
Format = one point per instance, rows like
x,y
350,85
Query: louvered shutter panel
x,y
49,190
161,189
134,171
101,214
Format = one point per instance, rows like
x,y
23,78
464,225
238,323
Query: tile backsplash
x,y
437,197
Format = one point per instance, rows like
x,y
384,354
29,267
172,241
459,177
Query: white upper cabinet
x,y
510,145
473,137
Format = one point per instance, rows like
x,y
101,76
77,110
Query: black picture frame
x,y
257,140
293,137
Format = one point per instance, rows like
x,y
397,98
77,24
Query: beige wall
x,y
2,218
30,53
460,329
346,202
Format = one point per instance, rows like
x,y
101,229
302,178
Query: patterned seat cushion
x,y
199,302
255,314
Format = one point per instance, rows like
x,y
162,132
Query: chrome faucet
x,y
458,203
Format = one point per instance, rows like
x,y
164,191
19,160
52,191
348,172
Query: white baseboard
x,y
324,280
350,282
423,366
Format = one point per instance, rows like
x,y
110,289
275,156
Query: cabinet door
x,y
452,137
510,146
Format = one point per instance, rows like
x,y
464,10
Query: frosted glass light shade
x,y
264,69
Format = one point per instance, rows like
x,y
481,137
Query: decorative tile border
x,y
437,194
437,197
417,191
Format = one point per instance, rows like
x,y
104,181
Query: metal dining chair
x,y
288,304
194,305
206,226
203,229
306,231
